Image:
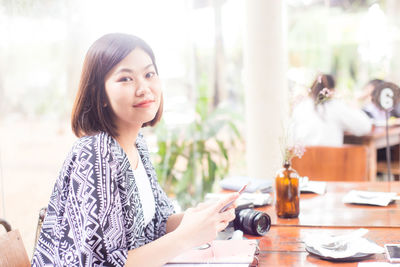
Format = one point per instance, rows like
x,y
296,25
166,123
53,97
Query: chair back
x,y
42,215
12,249
345,163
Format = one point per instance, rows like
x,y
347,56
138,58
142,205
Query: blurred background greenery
x,y
199,50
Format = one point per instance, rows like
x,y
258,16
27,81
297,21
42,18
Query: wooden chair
x,y
12,249
345,163
42,214
381,166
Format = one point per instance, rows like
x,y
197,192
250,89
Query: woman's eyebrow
x,y
131,71
124,70
148,66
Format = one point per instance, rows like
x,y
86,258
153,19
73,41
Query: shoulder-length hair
x,y
89,114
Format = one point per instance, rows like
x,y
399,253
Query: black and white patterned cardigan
x,y
95,216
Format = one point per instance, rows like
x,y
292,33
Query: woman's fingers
x,y
206,220
226,202
221,226
228,215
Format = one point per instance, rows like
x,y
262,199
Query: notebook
x,y
219,252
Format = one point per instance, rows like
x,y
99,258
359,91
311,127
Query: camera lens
x,y
252,222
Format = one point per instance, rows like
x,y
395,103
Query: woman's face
x,y
133,90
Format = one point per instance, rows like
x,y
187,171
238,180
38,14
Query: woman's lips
x,y
144,104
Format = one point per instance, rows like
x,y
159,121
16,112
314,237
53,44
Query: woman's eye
x,y
150,75
125,79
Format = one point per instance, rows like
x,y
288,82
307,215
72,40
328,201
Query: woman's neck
x,y
126,137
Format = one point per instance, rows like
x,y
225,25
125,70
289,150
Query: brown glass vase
x,y
287,192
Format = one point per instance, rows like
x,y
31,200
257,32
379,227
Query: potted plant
x,y
191,158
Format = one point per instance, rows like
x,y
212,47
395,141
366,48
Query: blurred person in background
x,y
107,208
321,119
377,115
368,106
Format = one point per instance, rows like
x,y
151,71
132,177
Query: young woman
x,y
107,208
321,119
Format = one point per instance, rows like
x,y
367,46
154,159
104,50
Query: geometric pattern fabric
x,y
95,215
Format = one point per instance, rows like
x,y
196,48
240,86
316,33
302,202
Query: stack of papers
x,y
369,198
255,199
307,186
234,183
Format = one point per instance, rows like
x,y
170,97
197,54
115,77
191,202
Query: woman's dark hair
x,y
89,114
321,82
374,84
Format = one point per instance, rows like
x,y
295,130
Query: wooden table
x,y
374,141
284,245
329,210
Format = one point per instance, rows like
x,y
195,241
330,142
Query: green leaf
x,y
235,130
223,149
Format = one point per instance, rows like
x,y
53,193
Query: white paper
x,y
257,199
256,184
307,186
369,198
353,241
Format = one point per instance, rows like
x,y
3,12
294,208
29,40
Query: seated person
x,y
107,207
377,115
321,119
369,107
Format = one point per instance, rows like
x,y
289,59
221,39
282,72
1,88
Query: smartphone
x,y
230,203
393,252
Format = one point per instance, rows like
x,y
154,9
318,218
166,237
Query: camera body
x,y
251,221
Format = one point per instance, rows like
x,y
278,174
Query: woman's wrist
x,y
181,240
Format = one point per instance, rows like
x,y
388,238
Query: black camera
x,y
251,221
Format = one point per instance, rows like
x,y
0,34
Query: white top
x,y
375,113
146,194
325,126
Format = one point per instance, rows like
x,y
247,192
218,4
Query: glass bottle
x,y
287,192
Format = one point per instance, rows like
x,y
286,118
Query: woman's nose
x,y
142,89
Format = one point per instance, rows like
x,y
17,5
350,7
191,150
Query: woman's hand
x,y
201,224
198,226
